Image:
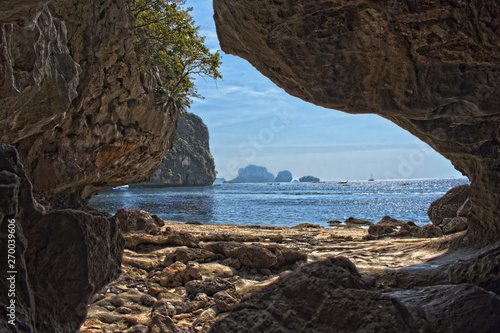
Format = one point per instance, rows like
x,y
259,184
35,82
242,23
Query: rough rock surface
x,y
448,205
138,220
62,257
454,308
74,101
319,297
431,67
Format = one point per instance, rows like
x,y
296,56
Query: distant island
x,y
189,162
284,177
308,179
259,174
253,174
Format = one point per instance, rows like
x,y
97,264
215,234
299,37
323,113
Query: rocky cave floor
x,y
180,277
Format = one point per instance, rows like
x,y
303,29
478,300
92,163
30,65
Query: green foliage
x,y
168,40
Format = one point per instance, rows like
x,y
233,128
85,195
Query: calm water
x,y
286,204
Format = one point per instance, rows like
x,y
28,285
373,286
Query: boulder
x,y
253,256
320,297
138,221
377,230
448,205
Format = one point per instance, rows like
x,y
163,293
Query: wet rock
x,y
378,231
208,286
448,205
454,308
320,297
334,223
352,220
389,221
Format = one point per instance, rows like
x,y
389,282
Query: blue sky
x,y
253,121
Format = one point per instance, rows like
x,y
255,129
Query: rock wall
x,y
57,261
432,68
76,101
189,162
78,105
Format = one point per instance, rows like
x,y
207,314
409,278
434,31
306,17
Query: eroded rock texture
x,y
320,297
62,258
431,67
74,100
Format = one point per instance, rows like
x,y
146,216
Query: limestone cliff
x,y
432,68
78,104
75,102
189,162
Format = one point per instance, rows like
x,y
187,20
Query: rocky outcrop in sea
x,y
253,174
189,162
284,177
308,179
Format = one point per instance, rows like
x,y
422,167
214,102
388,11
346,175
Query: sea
x,y
283,204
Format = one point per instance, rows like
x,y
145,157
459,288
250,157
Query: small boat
x,y
371,178
342,182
